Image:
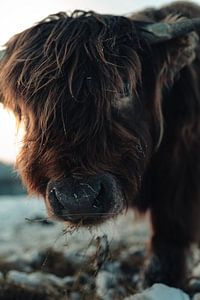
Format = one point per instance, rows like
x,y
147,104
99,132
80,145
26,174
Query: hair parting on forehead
x,y
65,62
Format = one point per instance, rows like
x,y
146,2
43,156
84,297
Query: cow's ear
x,y
176,55
154,33
179,43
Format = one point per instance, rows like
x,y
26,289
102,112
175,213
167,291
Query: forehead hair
x,y
96,37
63,76
68,60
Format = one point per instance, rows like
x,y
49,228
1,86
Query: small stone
x,y
49,278
194,285
36,279
112,267
160,291
75,296
196,270
196,297
108,286
136,278
68,281
106,280
18,278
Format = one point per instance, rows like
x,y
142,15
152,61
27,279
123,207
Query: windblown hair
x,y
66,73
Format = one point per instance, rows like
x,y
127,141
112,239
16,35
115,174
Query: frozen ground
x,y
22,227
45,260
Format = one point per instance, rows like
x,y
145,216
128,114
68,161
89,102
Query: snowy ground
x,y
23,226
36,248
41,259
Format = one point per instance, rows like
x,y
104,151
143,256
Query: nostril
x,y
63,205
60,197
54,202
96,203
99,199
82,202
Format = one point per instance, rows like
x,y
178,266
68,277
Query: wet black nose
x,y
78,200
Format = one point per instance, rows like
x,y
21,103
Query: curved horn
x,y
160,32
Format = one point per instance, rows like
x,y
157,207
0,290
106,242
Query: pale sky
x,y
16,15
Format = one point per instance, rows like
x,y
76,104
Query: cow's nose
x,y
78,200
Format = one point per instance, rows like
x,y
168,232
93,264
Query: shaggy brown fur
x,y
95,98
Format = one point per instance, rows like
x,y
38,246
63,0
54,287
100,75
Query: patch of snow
x,y
160,291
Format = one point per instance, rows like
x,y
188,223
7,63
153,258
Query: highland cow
x,y
111,108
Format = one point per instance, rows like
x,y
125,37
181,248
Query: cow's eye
x,y
127,90
125,98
